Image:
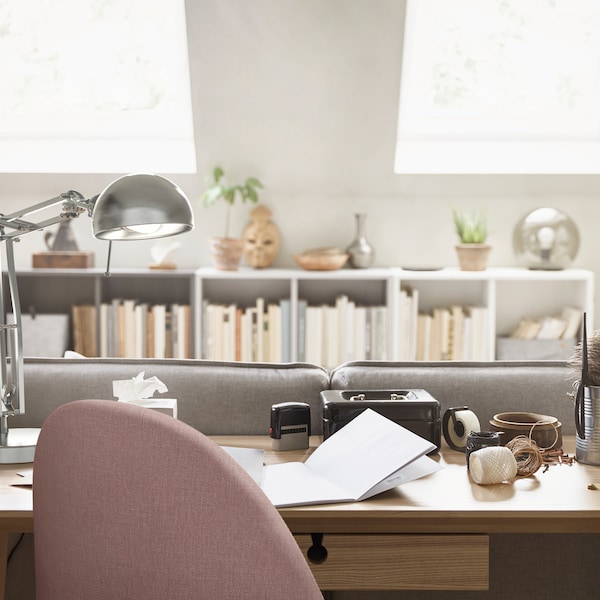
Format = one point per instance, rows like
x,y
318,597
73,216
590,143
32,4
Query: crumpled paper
x,y
140,391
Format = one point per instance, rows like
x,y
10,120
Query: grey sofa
x,y
235,398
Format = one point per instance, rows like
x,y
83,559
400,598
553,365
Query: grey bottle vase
x,y
362,254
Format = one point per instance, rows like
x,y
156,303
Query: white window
x,y
95,86
500,86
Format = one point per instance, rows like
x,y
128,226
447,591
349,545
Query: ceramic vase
x,y
361,253
226,253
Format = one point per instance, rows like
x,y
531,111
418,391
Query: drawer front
x,y
398,562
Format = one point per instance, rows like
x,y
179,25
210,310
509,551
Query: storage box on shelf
x,y
324,317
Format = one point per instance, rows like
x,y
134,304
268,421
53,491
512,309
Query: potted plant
x,y
227,251
472,250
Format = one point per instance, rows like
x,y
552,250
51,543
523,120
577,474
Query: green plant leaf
x,y
218,173
251,194
253,182
471,228
229,195
211,195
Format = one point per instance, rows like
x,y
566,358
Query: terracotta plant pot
x,y
226,253
473,257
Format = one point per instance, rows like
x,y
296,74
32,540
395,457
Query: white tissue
x,y
164,252
139,391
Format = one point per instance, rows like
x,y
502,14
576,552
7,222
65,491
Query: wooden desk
x,y
388,542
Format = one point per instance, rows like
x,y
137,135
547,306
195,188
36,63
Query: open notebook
x,y
369,455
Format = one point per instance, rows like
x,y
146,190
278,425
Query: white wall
x,y
303,94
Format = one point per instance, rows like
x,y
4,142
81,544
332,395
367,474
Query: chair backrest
x,y
132,504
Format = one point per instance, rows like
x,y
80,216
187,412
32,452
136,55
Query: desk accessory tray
x,y
415,409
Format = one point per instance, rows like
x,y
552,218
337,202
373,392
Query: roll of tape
x,y
493,464
457,424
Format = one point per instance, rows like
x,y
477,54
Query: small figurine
x,y
261,239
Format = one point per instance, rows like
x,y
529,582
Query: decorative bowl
x,y
545,430
321,262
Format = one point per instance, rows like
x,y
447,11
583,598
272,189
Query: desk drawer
x,y
399,562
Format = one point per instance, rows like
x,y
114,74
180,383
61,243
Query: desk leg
x,y
3,560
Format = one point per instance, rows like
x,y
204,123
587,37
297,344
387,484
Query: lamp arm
x,y
73,204
12,227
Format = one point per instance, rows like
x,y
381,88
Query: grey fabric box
x,y
513,349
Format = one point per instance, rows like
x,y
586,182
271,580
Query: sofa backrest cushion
x,y
217,398
487,388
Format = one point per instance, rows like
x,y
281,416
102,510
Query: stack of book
x,y
126,328
258,333
327,335
330,335
454,333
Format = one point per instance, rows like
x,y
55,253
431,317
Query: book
x,y
84,331
573,317
159,317
457,321
314,335
441,334
479,335
141,330
259,354
424,324
360,331
103,329
406,327
301,332
369,455
414,315
552,328
128,328
286,330
274,333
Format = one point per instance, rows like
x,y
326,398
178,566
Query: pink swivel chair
x,y
131,504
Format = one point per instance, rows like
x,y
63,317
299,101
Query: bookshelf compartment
x,y
44,293
537,298
244,292
445,293
367,293
170,288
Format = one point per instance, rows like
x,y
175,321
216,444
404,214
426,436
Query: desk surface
x,y
555,501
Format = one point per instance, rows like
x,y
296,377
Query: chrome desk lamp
x,y
134,207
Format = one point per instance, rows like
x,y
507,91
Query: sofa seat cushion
x,y
217,398
487,388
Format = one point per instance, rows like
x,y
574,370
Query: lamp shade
x,y
546,239
141,206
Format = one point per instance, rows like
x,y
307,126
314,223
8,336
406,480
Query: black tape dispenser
x,y
457,423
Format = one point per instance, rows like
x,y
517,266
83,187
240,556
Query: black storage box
x,y
415,409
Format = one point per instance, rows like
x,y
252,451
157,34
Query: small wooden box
x,y
62,260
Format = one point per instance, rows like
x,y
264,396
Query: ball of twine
x,y
527,454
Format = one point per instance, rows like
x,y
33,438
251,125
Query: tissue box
x,y
168,406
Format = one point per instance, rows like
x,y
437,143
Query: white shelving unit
x,y
509,294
